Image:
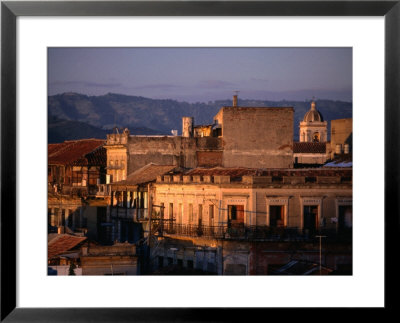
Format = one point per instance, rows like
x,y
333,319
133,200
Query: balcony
x,y
253,233
102,190
136,215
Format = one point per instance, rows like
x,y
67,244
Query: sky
x,y
204,74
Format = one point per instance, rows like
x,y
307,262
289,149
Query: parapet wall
x,y
344,178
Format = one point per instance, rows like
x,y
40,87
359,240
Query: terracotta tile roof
x,y
309,147
78,152
146,174
62,243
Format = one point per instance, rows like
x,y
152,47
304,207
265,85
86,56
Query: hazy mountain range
x,y
77,116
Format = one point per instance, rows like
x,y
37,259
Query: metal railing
x,y
264,233
126,213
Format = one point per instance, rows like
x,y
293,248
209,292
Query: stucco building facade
x,y
237,137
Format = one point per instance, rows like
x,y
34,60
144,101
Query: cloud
x,y
156,87
215,84
85,84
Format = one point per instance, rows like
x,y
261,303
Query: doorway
x,y
310,218
345,217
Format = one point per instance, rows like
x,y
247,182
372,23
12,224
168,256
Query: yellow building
x,y
117,156
229,199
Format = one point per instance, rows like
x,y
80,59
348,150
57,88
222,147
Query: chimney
x,y
235,99
187,127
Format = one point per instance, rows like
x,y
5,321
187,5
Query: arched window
x,y
316,137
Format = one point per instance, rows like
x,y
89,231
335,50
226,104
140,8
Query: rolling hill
x,y
75,116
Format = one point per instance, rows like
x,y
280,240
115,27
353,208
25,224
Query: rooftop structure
x,y
313,128
258,137
77,152
76,167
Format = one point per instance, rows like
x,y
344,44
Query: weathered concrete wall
x,y
109,265
209,143
162,150
209,158
257,137
310,158
341,133
169,150
236,257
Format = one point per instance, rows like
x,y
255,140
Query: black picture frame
x,y
10,10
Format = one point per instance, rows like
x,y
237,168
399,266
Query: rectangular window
x,y
145,200
63,217
236,214
211,215
232,212
93,174
276,215
162,210
180,213
77,177
120,199
200,215
70,218
171,211
310,220
190,212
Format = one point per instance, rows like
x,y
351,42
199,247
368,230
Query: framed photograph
x,y
226,134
